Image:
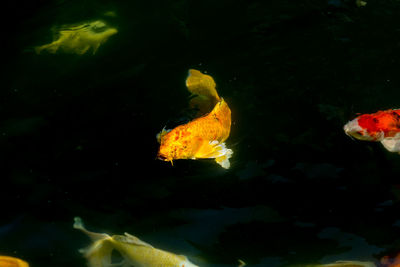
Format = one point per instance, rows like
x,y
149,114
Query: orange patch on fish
x,y
7,261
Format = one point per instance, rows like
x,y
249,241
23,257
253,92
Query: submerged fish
x,y
7,261
79,39
134,251
203,137
382,126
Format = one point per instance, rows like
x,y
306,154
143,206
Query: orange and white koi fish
x,y
382,126
7,261
134,251
203,137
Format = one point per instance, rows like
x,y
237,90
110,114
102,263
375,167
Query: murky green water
x,y
77,133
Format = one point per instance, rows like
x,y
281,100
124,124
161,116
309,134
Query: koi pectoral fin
x,y
224,159
217,151
211,149
393,145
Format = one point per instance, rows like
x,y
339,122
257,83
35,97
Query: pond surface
x,y
77,132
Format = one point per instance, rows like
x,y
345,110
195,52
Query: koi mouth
x,y
347,132
162,157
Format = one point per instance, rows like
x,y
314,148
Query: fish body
x,y
134,251
79,39
7,261
382,126
203,137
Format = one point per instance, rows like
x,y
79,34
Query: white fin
x,y
224,157
78,224
393,145
130,239
241,263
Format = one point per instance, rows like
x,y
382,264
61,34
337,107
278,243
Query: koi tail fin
x,y
241,263
203,87
98,253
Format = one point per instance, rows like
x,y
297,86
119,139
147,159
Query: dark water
x,y
77,133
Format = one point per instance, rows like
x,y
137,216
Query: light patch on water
x,y
358,248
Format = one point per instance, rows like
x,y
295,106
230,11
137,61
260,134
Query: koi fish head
x,y
364,127
166,151
177,143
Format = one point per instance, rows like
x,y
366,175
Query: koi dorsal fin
x,y
161,134
130,239
202,85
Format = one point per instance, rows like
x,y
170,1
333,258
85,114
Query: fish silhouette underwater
x,y
203,137
78,39
134,251
382,126
7,261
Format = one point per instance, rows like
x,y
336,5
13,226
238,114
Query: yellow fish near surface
x,y
79,39
203,137
7,261
134,251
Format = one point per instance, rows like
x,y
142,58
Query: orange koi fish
x,y
382,126
6,261
203,137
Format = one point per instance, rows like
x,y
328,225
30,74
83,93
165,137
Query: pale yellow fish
x,y
360,3
79,39
134,251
